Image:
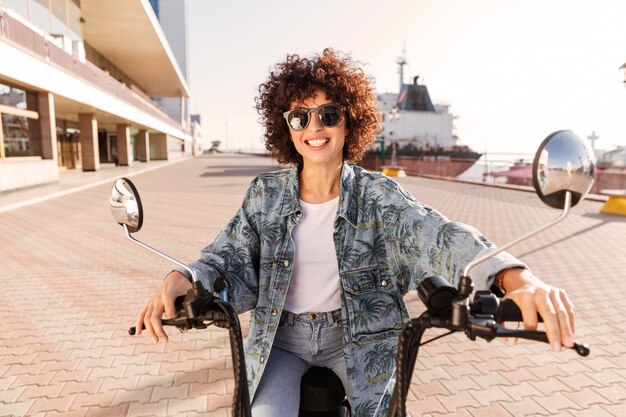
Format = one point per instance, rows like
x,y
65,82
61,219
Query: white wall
x,y
19,173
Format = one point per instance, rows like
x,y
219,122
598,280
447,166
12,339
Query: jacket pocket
x,y
372,302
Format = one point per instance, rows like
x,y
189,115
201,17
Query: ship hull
x,y
425,166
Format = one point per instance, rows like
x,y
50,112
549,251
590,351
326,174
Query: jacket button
x,y
384,283
356,287
274,312
262,360
286,262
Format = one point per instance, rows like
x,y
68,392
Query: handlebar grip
x,y
165,322
509,311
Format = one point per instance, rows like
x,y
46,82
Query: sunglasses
x,y
298,119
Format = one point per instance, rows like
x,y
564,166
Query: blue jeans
x,y
302,341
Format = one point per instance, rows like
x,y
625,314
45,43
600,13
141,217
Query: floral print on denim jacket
x,y
386,243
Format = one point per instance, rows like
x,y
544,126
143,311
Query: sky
x,y
513,72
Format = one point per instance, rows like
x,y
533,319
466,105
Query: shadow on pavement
x,y
239,171
607,217
556,242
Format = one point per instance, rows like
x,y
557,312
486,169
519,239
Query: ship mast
x,y
401,63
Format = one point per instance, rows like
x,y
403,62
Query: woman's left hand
x,y
535,296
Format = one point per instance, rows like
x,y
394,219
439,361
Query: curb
x,y
36,200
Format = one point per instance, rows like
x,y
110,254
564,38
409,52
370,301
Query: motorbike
x,y
563,174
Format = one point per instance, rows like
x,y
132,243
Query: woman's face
x,y
319,144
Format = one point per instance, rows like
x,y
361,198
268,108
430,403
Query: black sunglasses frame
x,y
339,110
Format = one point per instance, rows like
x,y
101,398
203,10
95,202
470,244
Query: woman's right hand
x,y
174,285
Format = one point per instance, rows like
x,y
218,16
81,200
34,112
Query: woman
x,y
323,252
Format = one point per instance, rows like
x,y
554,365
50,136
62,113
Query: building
x,y
77,78
172,15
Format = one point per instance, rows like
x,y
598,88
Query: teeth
x,y
317,142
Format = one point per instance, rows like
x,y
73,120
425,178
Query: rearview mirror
x,y
564,162
126,205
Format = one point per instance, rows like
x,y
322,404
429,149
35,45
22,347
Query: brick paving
x,y
72,284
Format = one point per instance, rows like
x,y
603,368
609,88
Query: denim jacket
x,y
385,241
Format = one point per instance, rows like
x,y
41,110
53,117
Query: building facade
x,y
172,15
77,78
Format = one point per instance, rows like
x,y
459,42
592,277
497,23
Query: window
x,y
20,134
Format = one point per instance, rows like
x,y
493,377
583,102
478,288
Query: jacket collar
x,y
347,207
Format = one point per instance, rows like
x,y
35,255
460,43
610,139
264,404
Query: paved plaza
x,y
72,284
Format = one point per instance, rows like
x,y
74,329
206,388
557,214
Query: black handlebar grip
x,y
509,311
165,322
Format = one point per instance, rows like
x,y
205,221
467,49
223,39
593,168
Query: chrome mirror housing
x,y
564,162
125,204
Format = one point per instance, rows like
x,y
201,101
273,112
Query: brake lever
x,y
487,328
193,310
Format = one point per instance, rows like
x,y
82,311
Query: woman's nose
x,y
314,123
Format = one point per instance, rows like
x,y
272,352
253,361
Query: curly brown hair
x,y
298,78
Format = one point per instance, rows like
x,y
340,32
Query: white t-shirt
x,y
314,285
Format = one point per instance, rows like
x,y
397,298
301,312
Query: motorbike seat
x,y
321,391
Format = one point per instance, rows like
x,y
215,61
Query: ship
x,y
418,137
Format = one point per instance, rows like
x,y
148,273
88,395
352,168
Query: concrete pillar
x,y
183,110
143,145
88,126
47,126
158,146
124,150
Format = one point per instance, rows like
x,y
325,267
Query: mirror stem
x,y
194,277
489,255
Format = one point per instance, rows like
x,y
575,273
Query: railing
x,y
25,37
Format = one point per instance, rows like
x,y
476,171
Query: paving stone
x,y
104,362
423,391
65,365
159,393
490,380
517,376
141,395
75,413
215,388
454,386
550,386
555,402
222,412
424,406
488,396
147,410
100,399
586,397
461,412
195,377
593,411
62,376
11,395
176,407
47,391
118,411
215,402
459,400
495,410
74,387
16,408
617,410
51,404
615,392
523,389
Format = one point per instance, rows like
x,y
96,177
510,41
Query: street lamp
x,y
394,115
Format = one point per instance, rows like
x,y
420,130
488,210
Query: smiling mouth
x,y
316,142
